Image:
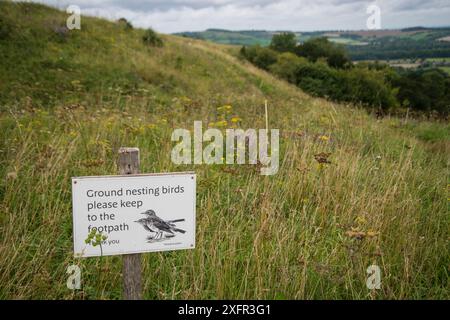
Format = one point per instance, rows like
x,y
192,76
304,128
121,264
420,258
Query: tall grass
x,y
308,232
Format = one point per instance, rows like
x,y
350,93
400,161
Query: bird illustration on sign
x,y
160,229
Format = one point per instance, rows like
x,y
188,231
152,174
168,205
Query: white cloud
x,y
299,15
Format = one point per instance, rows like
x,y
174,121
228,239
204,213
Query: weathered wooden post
x,y
131,269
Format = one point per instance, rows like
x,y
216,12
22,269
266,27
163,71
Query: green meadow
x,y
70,99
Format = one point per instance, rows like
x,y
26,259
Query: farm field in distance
x,y
409,43
414,64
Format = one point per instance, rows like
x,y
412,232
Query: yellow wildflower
x,y
371,233
222,123
226,108
360,220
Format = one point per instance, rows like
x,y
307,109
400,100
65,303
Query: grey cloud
x,y
183,15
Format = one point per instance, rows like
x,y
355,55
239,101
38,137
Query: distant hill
x,y
414,42
245,37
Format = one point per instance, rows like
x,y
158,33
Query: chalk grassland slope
x,y
69,100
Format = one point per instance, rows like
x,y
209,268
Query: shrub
x,y
369,88
425,90
125,23
5,29
323,69
321,80
265,57
287,66
151,38
356,85
259,56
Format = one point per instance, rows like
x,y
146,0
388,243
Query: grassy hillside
x,y
69,100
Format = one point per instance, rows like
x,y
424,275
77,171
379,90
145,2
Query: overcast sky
x,y
170,16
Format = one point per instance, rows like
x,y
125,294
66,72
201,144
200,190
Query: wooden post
x,y
131,268
267,117
406,118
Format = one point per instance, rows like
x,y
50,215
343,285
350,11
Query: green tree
x,y
284,42
427,90
316,48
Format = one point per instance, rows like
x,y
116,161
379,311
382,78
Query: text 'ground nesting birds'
x,y
131,214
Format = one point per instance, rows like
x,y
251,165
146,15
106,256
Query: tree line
x,y
414,46
324,69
